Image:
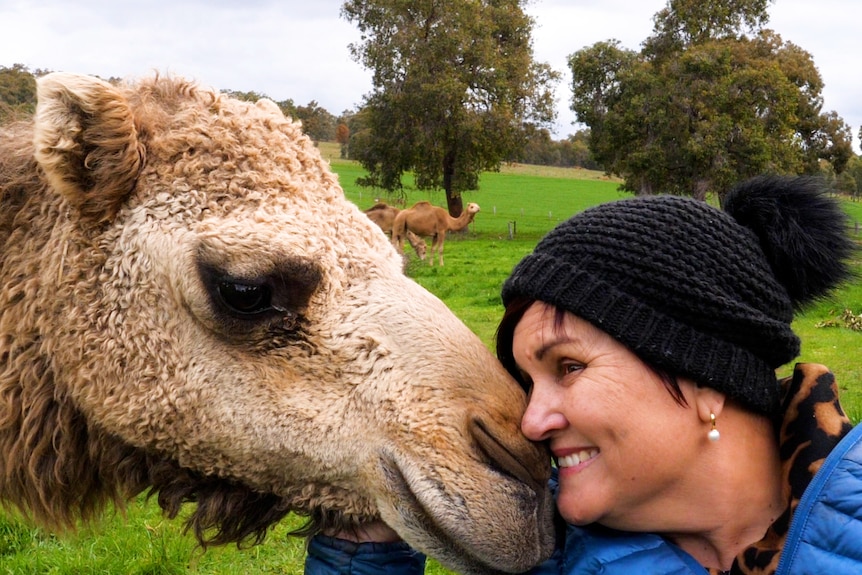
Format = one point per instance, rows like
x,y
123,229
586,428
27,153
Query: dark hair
x,y
512,316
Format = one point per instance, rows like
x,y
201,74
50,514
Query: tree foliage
x,y
17,92
454,84
690,22
317,122
572,152
342,136
712,98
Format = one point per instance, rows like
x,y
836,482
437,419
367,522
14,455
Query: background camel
x,y
383,215
426,220
189,304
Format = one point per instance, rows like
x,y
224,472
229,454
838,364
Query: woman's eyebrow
x,y
556,340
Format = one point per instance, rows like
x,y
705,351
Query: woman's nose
x,y
543,415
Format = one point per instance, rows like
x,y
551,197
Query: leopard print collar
x,y
813,425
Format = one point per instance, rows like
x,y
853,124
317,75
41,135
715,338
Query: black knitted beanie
x,y
700,292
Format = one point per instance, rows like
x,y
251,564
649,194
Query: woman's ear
x,y
708,402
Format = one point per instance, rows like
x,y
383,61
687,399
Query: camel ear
x,y
86,143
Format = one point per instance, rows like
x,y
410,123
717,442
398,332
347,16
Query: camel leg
x,y
398,242
438,241
433,250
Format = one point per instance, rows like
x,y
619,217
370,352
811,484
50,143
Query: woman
x,y
647,333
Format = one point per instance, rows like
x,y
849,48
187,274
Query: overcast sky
x,y
297,49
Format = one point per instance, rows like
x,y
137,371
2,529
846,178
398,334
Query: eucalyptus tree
x,y
17,92
454,84
711,98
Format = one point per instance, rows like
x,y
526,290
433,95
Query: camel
x,y
189,305
383,215
426,220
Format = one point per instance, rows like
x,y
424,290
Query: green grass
x,y
140,543
477,262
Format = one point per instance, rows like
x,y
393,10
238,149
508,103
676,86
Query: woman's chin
x,y
576,514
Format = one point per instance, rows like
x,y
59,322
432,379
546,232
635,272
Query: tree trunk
x,y
700,189
454,203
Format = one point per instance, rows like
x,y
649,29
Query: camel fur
x,y
426,220
384,215
189,305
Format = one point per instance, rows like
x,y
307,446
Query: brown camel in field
x,y
383,215
426,220
189,305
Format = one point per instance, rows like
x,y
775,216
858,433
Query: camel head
x,y
418,244
189,304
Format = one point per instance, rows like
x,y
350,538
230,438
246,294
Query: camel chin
x,y
190,306
445,528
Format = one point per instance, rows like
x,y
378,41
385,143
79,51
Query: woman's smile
x,y
578,459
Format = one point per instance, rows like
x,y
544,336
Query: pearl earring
x,y
713,434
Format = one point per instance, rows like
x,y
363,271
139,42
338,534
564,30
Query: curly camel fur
x,y
384,215
189,305
430,221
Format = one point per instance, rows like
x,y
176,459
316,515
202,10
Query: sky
x,y
298,49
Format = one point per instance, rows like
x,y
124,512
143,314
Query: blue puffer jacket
x,y
826,533
589,551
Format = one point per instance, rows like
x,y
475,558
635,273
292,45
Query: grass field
x,y
521,202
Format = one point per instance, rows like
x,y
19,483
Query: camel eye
x,y
254,302
245,299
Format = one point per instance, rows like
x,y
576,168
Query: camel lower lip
x,y
415,513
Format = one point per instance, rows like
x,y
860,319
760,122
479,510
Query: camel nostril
x,y
530,466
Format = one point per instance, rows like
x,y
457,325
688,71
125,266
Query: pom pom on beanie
x,y
704,293
801,230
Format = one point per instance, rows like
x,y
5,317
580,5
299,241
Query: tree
x,y
288,108
691,22
540,149
317,122
712,98
453,86
17,92
577,151
342,136
850,180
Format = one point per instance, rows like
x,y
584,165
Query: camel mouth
x,y
416,516
440,524
505,462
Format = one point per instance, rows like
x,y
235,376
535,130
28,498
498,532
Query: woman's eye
x,y
572,368
245,299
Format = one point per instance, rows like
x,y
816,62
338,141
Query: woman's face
x,y
622,444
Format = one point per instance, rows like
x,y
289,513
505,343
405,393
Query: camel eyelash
x,y
245,299
277,297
